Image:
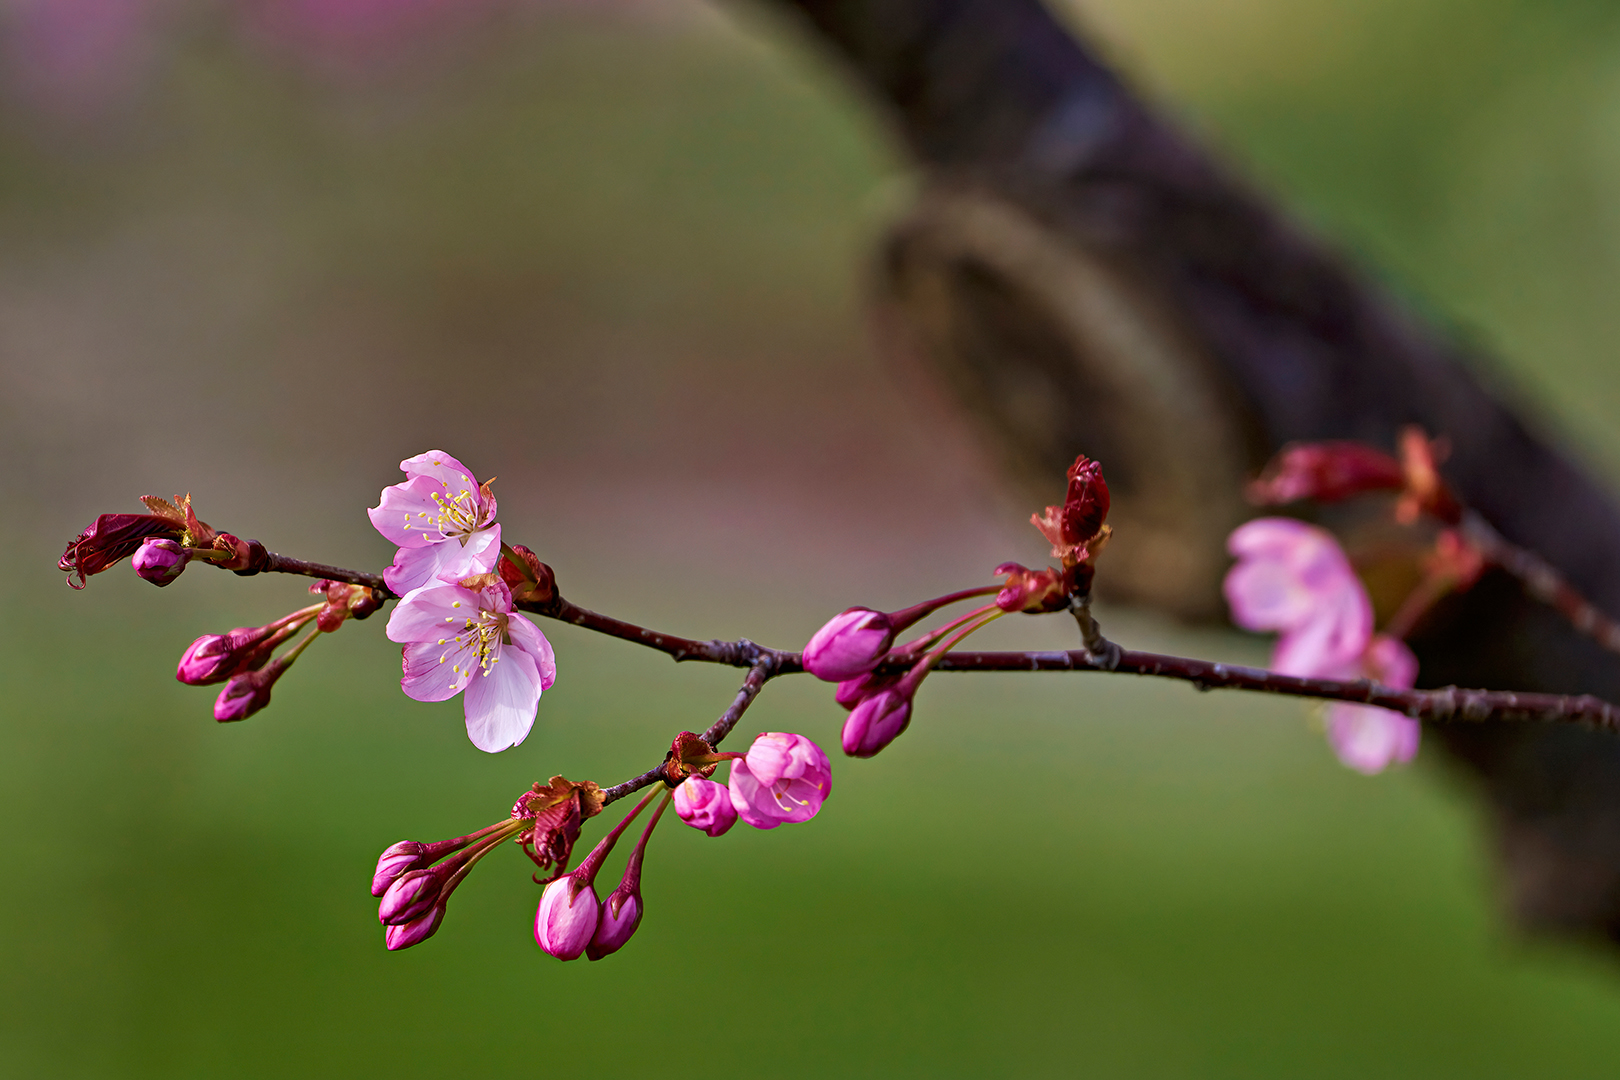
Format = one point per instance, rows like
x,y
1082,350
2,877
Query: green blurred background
x,y
617,256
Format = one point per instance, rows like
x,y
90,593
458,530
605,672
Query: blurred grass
x,y
648,240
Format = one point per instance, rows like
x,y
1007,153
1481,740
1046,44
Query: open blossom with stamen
x,y
783,779
442,520
461,638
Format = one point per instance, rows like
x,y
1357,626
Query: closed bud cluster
x,y
414,891
566,922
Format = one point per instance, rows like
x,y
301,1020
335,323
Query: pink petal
x,y
1265,595
527,636
1368,739
409,504
751,801
1389,661
501,704
443,468
447,561
431,670
425,615
1326,648
1269,536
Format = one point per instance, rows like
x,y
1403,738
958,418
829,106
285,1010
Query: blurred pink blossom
x,y
1370,739
1295,579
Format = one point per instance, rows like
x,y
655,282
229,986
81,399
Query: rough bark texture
x,y
1088,278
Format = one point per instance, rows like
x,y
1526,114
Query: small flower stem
x,y
469,858
1542,581
588,869
908,616
632,868
293,653
928,640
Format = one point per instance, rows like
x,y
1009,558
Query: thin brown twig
x,y
763,671
1542,581
1447,704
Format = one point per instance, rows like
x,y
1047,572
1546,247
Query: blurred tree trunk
x,y
1087,278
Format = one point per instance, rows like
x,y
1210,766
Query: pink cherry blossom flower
x,y
783,779
704,804
1295,579
442,520
456,639
1370,739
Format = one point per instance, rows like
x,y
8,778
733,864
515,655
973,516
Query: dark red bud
x,y
1325,471
111,538
1086,507
533,582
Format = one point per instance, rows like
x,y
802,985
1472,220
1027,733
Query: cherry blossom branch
x,y
286,564
741,653
1449,704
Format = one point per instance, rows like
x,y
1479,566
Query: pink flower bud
x,y
704,804
851,644
412,895
246,694
876,722
567,918
621,914
784,779
159,560
418,930
851,692
396,860
213,658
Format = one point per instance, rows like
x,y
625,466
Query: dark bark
x,y
1090,279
